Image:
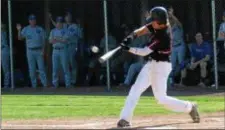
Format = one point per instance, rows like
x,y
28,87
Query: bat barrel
x,y
108,55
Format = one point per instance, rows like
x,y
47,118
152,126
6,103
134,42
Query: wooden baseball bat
x,y
108,55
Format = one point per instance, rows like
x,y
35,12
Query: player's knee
x,y
161,99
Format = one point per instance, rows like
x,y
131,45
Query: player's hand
x,y
128,39
124,46
18,27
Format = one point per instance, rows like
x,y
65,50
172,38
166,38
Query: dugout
x,y
195,16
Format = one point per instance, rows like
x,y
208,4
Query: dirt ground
x,y
180,121
174,121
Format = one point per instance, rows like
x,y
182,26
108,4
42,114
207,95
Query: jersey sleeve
x,y
51,35
23,32
141,51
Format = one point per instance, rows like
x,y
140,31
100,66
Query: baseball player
x,y
35,41
75,34
5,56
59,40
156,72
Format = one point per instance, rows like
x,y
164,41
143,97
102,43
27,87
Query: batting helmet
x,y
158,14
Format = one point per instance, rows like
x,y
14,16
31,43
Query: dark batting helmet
x,y
158,14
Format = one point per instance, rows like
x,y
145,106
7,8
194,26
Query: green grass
x,y
65,106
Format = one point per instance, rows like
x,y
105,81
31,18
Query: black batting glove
x,y
129,38
124,47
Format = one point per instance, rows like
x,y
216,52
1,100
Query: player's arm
x,y
50,17
176,20
145,51
63,39
140,51
141,31
51,38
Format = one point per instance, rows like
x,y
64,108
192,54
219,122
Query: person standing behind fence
x,y
178,45
35,42
74,33
59,40
5,56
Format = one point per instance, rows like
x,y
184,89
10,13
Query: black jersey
x,y
160,44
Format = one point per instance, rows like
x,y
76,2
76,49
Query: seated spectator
x,y
200,57
133,70
112,43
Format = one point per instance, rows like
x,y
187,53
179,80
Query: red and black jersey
x,y
160,44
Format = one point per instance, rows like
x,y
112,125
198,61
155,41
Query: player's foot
x,y
194,113
202,85
123,124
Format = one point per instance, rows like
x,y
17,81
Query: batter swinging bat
x,y
109,54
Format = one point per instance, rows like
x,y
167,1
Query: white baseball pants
x,y
154,74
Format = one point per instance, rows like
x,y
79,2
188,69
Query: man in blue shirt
x,y
35,41
200,56
59,39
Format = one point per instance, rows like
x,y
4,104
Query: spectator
x,y
5,56
35,41
200,57
93,64
112,43
75,36
178,45
220,40
133,70
59,40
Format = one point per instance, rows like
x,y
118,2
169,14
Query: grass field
x,y
17,107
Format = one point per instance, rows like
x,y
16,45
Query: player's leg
x,y
203,71
174,56
160,71
5,66
65,65
55,68
181,56
134,69
141,84
41,67
72,62
32,67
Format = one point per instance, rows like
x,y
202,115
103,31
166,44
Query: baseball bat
x,y
108,55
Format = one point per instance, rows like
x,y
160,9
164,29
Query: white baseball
x,y
94,49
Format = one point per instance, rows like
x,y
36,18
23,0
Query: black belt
x,y
36,48
177,45
58,48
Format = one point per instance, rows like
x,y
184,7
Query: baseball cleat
x,y
123,124
194,113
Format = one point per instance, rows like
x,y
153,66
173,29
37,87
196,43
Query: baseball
x,y
94,49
